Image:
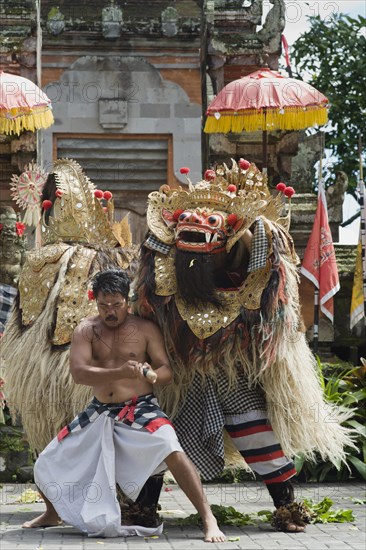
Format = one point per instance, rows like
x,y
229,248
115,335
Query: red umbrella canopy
x,y
23,105
266,100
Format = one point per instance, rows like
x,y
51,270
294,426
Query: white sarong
x,y
78,472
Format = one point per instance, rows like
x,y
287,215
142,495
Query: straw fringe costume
x,y
124,444
78,240
233,329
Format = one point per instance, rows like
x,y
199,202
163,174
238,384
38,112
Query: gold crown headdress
x,y
78,213
240,191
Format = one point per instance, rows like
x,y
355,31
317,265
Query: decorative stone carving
x,y
12,246
270,34
55,21
113,113
335,197
169,21
111,21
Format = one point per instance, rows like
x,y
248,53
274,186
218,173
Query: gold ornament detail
x,y
165,280
37,279
206,319
73,303
78,215
26,190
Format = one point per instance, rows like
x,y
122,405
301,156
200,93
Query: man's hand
x,y
143,371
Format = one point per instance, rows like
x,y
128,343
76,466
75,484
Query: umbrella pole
x,y
39,73
265,151
316,322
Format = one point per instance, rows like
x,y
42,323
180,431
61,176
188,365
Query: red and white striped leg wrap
x,y
254,438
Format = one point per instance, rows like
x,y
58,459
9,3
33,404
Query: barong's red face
x,y
200,230
112,308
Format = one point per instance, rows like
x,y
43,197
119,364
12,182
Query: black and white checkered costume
x,y
210,405
7,297
259,248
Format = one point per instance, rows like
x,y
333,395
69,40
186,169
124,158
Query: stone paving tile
x,y
247,498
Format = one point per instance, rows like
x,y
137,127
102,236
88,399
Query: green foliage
x,y
322,513
13,442
228,515
225,515
5,417
343,385
334,51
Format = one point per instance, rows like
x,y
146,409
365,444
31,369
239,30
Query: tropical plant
x,y
333,51
321,512
344,386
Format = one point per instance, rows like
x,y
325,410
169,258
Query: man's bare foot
x,y
212,532
44,520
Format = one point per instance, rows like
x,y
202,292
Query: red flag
x,y
319,263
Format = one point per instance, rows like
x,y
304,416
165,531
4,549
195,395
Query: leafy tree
x,y
333,51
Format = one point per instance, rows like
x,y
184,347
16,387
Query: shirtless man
x,y
122,437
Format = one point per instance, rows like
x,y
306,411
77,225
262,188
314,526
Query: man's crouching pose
x,y
122,437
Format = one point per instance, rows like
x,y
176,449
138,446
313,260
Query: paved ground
x,y
247,498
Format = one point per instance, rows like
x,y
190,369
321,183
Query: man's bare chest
x,y
118,345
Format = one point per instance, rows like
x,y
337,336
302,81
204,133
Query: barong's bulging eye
x,y
214,221
184,215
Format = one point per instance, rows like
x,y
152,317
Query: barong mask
x,y
190,227
212,215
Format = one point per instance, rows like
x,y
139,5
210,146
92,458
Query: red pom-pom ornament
x,y
281,187
231,188
289,191
244,164
91,295
20,228
46,205
209,175
232,219
105,209
184,170
98,193
107,195
58,193
177,213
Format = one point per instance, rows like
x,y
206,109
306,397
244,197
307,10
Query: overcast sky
x,y
298,10
296,24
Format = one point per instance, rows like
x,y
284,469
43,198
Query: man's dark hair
x,y
112,281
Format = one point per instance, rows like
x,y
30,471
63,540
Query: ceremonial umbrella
x,y
23,105
266,100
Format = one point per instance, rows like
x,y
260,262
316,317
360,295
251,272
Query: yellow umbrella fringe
x,y
291,119
32,121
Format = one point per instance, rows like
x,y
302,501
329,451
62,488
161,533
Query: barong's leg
x,y
144,511
254,438
150,493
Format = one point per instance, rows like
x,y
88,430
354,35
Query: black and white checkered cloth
x,y
139,412
7,296
154,244
201,420
259,248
